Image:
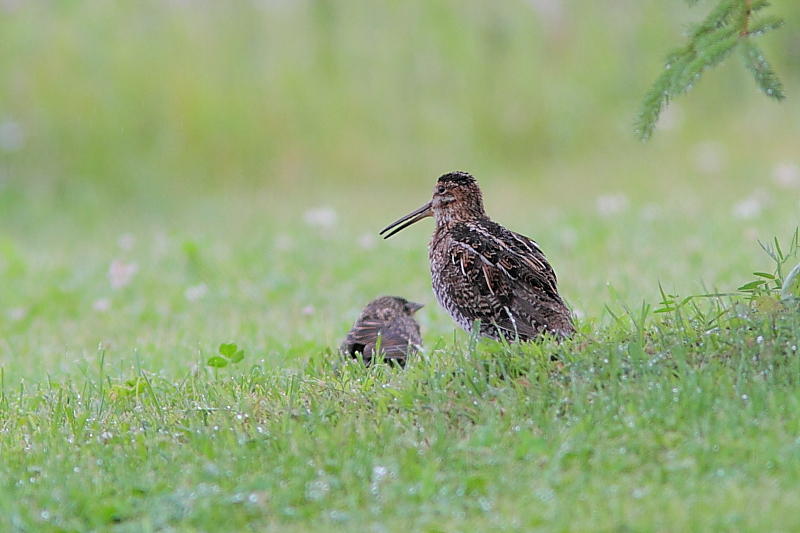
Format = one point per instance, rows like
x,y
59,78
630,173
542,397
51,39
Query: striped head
x,y
456,197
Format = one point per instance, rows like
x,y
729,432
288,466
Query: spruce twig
x,y
728,26
765,77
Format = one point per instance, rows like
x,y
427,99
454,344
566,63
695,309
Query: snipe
x,y
485,272
390,319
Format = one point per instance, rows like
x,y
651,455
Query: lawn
x,y
185,175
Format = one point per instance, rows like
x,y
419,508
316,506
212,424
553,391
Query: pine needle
x,y
728,25
765,77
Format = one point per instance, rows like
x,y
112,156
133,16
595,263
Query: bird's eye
x,y
440,189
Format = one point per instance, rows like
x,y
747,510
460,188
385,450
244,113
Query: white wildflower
x,y
120,273
321,217
367,241
751,206
195,292
787,174
611,204
126,241
101,305
709,157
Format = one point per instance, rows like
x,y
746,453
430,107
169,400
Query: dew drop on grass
x,y
545,494
379,472
317,489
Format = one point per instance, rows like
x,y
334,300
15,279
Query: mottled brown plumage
x,y
483,271
389,318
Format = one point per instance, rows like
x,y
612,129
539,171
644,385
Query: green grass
x,y
111,419
675,423
202,147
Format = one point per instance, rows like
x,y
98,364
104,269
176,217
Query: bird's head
x,y
389,307
456,197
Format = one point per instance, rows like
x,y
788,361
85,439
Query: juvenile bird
x,y
483,271
390,319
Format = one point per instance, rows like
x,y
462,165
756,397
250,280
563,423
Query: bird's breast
x,y
447,279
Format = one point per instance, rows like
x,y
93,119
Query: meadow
x,y
179,175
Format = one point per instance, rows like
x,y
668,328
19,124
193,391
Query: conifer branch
x,y
728,26
765,77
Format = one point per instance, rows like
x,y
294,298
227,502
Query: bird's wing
x,y
527,247
363,338
507,281
523,259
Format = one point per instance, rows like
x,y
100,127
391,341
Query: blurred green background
x,y
237,160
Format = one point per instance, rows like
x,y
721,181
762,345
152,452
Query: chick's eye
x,y
440,189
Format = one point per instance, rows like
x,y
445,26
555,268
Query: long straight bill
x,y
423,212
